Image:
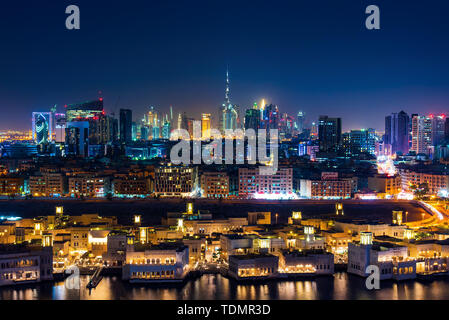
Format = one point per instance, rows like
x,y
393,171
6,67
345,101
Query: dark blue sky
x,y
310,55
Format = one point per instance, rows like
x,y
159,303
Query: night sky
x,y
316,56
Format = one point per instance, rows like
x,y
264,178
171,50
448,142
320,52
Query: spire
x,y
227,92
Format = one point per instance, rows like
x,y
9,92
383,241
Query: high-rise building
x,y
421,134
397,132
252,118
329,134
205,126
300,122
229,113
60,126
86,110
125,125
360,141
438,123
42,124
77,138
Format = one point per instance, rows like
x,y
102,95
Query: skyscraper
x,y
125,125
229,113
205,126
86,110
438,123
421,134
252,118
397,132
300,122
360,141
42,124
329,134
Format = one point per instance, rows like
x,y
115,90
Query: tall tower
x,y
228,115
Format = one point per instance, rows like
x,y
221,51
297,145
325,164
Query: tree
x,y
420,190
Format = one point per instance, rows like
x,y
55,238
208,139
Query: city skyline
x,y
301,57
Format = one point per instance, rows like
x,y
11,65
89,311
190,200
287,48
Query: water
x,y
215,287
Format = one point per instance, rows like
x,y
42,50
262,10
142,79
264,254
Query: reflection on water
x,y
215,287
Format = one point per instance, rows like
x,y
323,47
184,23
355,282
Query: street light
x,y
277,215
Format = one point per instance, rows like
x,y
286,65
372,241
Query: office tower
x,y
329,134
166,129
144,133
252,118
421,134
446,130
229,113
438,129
42,124
205,126
60,126
300,122
270,117
125,125
356,142
77,138
152,117
84,110
100,129
286,126
397,132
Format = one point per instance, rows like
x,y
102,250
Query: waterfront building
x,y
391,259
253,266
162,263
25,264
312,262
233,244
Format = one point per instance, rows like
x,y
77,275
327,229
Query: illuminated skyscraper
x,y
397,132
60,126
421,134
42,124
84,111
252,118
300,122
438,123
205,126
329,134
229,113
